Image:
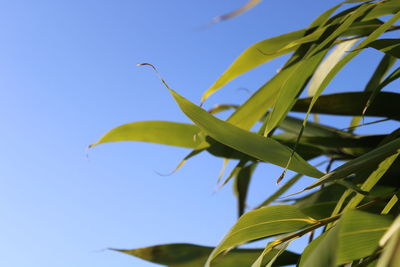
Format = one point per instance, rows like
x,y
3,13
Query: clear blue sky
x,y
68,75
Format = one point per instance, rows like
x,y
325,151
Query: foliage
x,y
356,205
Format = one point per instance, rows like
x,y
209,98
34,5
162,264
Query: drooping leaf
x,y
263,222
189,255
265,149
241,185
160,132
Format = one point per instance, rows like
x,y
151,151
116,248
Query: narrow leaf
x,y
372,180
388,46
372,158
327,65
352,104
188,255
355,236
265,149
263,222
160,132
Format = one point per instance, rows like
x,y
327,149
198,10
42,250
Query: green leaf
x,y
393,200
160,132
265,149
355,236
390,232
388,46
290,89
390,256
352,104
260,223
293,125
258,104
188,255
269,49
390,78
327,65
383,8
254,56
321,251
372,158
241,185
373,84
372,180
373,36
359,234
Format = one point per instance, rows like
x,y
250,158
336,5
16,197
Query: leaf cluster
x,y
353,207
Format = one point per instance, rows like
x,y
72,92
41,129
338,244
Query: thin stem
x,y
364,124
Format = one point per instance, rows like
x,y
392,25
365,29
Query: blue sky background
x,y
68,75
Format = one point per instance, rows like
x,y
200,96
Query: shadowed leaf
x,y
188,255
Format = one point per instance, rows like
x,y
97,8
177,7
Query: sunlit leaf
x,y
160,132
263,222
254,145
355,236
254,56
266,50
372,180
328,63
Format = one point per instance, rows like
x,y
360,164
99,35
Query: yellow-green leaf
x,y
160,132
252,144
355,236
263,222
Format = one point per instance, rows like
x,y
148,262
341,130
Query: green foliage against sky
x,y
349,211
